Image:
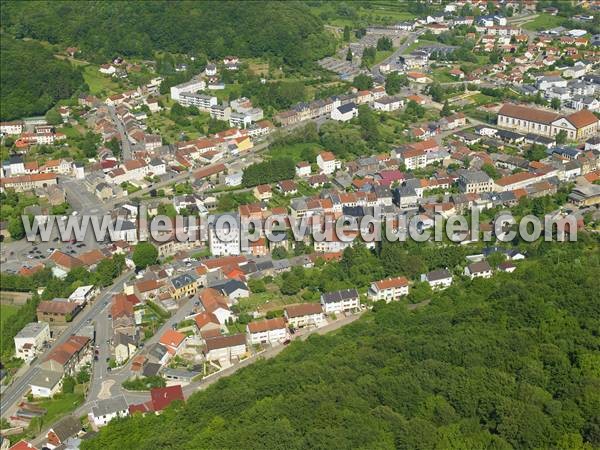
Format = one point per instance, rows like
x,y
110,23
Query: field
x,y
99,84
544,22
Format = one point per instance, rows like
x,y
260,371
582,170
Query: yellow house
x,y
244,143
185,284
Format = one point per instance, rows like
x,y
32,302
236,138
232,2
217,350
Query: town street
x,y
93,312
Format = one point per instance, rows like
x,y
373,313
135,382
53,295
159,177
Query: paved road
x,y
125,144
20,386
411,38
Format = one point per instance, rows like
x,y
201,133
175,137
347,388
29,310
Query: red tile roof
x,y
163,397
266,325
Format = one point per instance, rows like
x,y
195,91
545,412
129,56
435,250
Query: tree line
x,y
507,362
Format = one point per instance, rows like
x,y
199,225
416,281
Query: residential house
x,y
480,269
106,410
437,279
344,113
30,341
271,331
63,430
46,383
305,314
328,163
388,289
225,347
56,311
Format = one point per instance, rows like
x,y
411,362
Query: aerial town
x,y
423,112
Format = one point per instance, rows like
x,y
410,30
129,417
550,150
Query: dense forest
x,y
32,80
509,362
284,31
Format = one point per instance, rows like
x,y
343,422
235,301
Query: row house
x,y
268,331
388,289
306,314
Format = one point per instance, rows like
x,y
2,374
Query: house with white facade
x,y
388,289
328,163
106,410
340,301
268,331
46,383
479,269
224,235
225,347
437,279
306,314
344,113
29,342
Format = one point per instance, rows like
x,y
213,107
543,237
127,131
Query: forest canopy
x,y
507,362
32,80
287,31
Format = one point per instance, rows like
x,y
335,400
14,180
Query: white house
x,y
83,294
46,383
11,128
437,279
328,163
109,409
224,235
190,87
306,314
157,167
340,301
268,331
388,289
388,104
225,347
303,169
479,269
107,69
344,113
30,340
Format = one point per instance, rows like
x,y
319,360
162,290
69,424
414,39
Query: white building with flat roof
x,y
30,340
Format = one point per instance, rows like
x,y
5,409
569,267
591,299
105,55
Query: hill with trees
x,y
508,362
286,32
32,80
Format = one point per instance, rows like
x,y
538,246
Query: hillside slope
x,y
103,30
510,362
31,79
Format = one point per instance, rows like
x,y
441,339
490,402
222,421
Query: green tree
x,y
16,228
145,254
555,103
446,111
384,44
53,117
394,83
349,55
362,82
561,137
346,33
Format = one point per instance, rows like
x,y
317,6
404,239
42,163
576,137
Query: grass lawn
x,y
298,152
442,76
98,82
60,406
6,312
381,55
268,301
417,44
544,22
